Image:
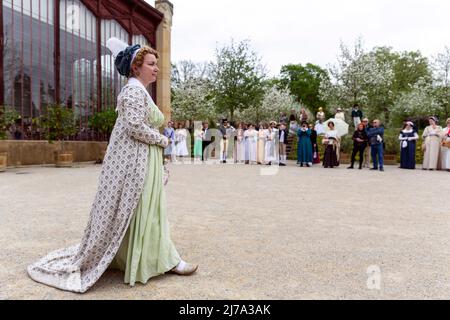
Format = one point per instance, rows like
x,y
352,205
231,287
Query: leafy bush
x,y
347,144
8,117
104,121
419,152
391,142
59,123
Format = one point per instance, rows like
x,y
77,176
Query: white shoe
x,y
184,269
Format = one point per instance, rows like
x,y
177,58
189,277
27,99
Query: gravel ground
x,y
292,233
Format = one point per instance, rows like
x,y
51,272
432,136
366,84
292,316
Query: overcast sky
x,y
299,31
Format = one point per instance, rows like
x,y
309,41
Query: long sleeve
x,y
375,131
134,116
364,136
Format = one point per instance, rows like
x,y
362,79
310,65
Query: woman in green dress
x,y
198,142
147,250
128,227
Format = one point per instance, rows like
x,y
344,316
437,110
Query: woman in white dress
x,y
445,149
181,135
251,137
271,154
340,114
293,125
432,141
240,144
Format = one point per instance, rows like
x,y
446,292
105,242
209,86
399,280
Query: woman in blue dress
x,y
304,147
408,138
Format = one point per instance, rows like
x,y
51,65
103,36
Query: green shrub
x,y
347,144
419,152
293,154
104,121
8,116
391,142
59,123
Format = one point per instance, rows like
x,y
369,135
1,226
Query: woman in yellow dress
x,y
432,141
261,146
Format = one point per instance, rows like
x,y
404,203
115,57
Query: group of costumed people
x,y
178,137
128,228
247,144
436,145
267,142
308,148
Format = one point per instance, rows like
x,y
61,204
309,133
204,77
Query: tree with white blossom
x,y
441,79
275,102
191,92
355,78
419,102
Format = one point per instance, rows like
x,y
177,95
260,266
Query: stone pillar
x,y
163,45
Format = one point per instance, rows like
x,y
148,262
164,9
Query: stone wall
x,y
26,152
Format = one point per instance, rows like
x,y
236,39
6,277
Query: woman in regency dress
x,y
445,149
240,144
304,146
128,227
408,138
251,136
432,141
293,125
169,151
331,142
198,141
181,136
263,133
320,115
271,147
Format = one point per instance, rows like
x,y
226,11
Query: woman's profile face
x,y
432,122
149,69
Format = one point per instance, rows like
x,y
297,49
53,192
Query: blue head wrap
x,y
123,60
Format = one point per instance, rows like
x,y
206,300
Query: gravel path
x,y
294,233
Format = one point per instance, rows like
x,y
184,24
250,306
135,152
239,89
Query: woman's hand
x,y
164,142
